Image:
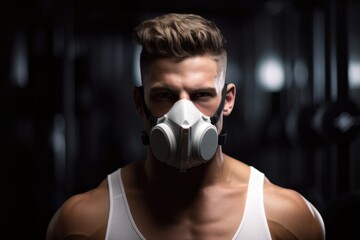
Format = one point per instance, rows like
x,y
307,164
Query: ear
x,y
137,97
229,99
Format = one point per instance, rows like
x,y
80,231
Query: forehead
x,y
195,70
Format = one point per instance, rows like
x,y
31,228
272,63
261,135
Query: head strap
x,y
152,118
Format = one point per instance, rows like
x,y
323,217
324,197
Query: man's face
x,y
170,80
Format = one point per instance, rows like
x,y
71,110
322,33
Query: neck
x,y
168,190
160,176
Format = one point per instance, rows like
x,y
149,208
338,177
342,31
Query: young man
x,y
185,187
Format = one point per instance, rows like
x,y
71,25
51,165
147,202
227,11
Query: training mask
x,y
184,137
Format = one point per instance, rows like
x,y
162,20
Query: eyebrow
x,y
206,89
168,89
161,89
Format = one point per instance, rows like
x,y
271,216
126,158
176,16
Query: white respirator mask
x,y
184,137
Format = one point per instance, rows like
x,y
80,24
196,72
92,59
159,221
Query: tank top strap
x,y
254,224
120,223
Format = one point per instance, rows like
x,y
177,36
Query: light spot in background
x,y
270,74
354,74
19,65
301,73
136,66
59,147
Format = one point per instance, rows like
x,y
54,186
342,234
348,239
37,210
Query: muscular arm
x,y
291,216
82,216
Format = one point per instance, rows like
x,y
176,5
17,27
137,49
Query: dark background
x,y
67,119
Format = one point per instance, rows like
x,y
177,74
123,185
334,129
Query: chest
x,y
214,215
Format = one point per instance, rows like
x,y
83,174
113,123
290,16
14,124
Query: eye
x,y
164,96
201,96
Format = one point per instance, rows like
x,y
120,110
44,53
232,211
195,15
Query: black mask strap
x,y
214,119
222,138
217,114
152,118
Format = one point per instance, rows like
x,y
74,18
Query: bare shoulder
x,y
82,216
290,215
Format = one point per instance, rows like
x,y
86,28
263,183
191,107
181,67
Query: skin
x,y
206,202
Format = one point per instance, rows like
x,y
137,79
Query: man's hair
x,y
180,36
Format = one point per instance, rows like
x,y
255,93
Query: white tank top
x,y
121,225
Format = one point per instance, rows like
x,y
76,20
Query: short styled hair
x,y
179,36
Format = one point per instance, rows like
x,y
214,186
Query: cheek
x,y
208,108
160,109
